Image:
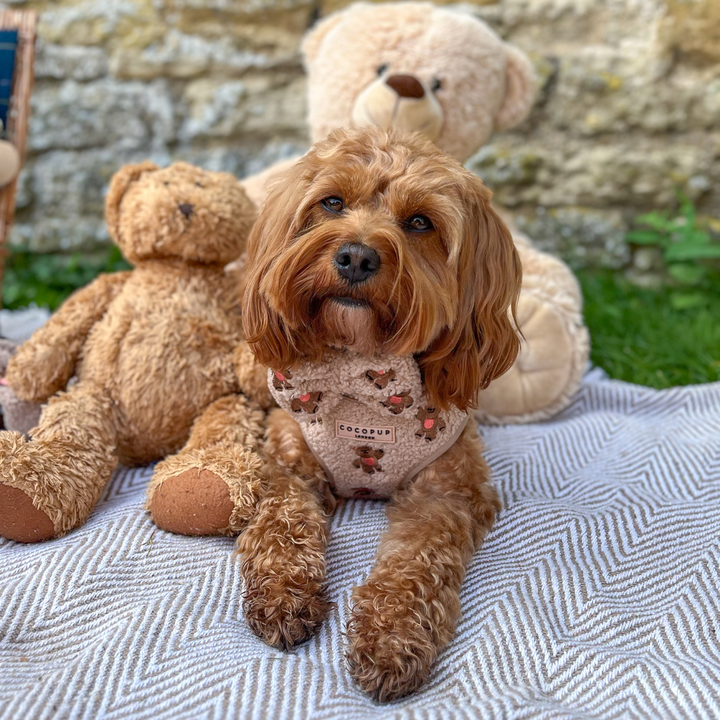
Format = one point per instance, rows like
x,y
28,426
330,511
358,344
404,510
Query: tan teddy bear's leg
x,y
50,483
212,486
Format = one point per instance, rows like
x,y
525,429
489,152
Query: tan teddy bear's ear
x,y
519,90
313,38
119,184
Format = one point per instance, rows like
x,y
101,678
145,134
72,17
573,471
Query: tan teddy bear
x,y
160,365
418,67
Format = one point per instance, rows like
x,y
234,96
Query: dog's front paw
x,y
391,648
282,612
283,566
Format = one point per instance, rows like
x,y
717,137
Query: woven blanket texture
x,y
597,594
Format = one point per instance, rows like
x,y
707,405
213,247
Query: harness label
x,y
371,433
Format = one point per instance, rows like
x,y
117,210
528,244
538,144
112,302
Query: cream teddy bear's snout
x,y
401,101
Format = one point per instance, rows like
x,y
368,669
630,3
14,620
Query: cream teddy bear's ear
x,y
520,88
313,38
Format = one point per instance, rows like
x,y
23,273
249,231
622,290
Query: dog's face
x,y
377,241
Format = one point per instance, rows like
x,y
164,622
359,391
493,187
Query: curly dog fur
x,y
445,292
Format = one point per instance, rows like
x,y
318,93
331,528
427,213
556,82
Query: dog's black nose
x,y
186,209
356,262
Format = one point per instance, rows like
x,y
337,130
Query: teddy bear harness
x,y
366,420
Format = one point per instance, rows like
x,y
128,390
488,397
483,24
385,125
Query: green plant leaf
x,y
645,237
686,301
657,220
687,251
695,237
686,273
687,209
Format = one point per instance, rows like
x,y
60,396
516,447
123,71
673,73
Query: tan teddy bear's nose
x,y
186,209
406,86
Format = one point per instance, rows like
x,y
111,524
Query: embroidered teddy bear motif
x,y
306,403
381,378
397,403
364,494
280,380
432,423
368,459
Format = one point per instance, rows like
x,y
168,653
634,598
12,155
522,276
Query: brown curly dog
x,y
373,243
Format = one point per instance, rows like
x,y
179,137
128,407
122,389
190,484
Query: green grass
x,y
46,280
638,337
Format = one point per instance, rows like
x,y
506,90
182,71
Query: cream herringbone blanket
x,y
596,595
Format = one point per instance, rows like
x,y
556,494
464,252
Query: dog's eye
x,y
382,68
436,84
200,185
419,223
333,204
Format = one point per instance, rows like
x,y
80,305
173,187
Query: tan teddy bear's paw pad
x,y
20,520
194,502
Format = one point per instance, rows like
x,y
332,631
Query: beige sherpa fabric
x,y
366,420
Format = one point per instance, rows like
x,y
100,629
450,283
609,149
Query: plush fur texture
x,y
153,351
442,72
445,294
450,54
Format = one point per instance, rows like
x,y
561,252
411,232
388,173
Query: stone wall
x,y
629,108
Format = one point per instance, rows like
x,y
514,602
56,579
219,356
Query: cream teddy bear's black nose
x,y
406,86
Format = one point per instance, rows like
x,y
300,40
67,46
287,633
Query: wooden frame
x,y
25,22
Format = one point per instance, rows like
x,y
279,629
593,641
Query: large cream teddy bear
x,y
418,67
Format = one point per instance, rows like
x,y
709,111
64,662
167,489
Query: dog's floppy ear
x,y
121,181
279,221
519,90
484,341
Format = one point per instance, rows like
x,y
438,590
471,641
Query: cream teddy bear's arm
x,y
44,364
